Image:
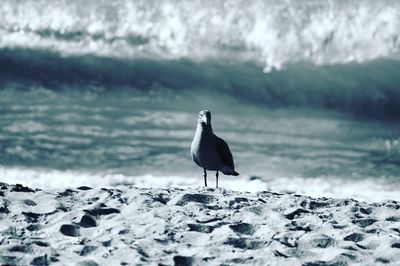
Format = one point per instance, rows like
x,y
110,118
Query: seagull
x,y
209,151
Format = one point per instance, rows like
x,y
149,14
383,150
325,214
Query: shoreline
x,y
367,189
130,226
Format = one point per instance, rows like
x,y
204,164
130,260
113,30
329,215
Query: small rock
x,y
183,261
21,188
322,241
382,260
84,188
87,250
42,244
8,260
102,211
87,221
31,217
355,237
70,230
243,228
20,248
296,213
199,198
106,243
4,209
364,222
42,260
67,192
366,211
34,227
29,202
88,263
243,243
395,245
393,219
202,228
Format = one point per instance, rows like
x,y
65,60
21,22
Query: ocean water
x,y
306,93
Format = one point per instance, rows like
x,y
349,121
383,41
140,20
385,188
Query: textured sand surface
x,y
138,226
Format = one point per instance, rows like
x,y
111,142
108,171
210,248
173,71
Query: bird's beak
x,y
203,120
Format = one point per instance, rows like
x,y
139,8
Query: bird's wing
x,y
224,152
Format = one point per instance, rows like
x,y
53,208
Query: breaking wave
x,y
270,33
369,89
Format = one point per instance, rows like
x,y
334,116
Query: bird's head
x,y
204,117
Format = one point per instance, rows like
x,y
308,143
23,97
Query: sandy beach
x,y
126,225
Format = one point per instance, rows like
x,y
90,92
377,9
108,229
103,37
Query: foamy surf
x,y
368,189
272,33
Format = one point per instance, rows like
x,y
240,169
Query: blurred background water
x,y
306,93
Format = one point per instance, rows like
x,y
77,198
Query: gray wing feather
x,y
224,153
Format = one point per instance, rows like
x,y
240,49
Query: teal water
x,y
151,132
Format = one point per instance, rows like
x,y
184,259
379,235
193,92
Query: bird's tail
x,y
234,173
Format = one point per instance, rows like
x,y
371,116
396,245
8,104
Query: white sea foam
x,y
271,32
370,190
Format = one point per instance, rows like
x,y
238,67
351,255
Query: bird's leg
x,y
216,175
205,177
